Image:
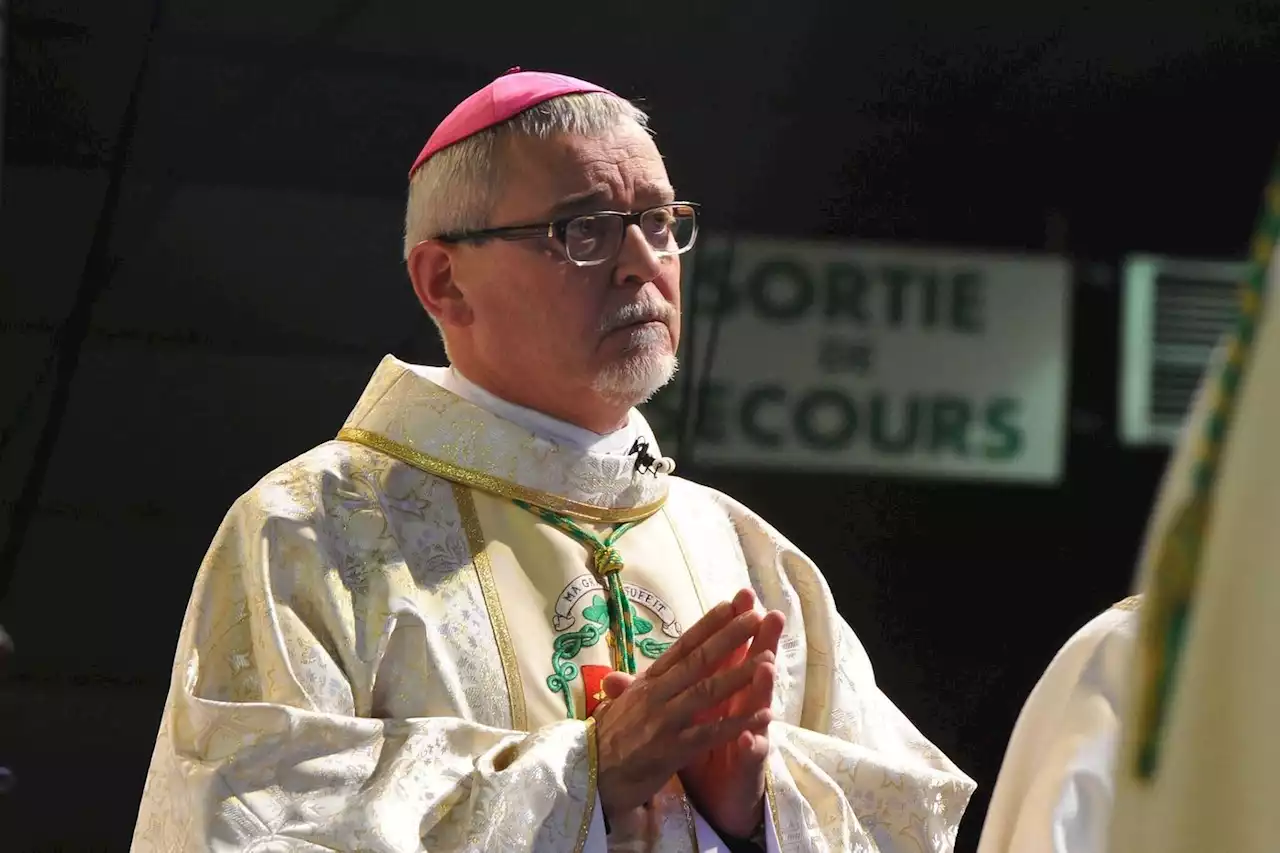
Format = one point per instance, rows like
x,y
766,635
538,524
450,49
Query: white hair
x,y
456,188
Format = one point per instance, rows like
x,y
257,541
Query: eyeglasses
x,y
596,238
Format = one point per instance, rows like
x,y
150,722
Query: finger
x,y
753,745
705,657
734,657
767,637
762,684
615,683
700,738
743,602
757,694
712,621
769,633
709,692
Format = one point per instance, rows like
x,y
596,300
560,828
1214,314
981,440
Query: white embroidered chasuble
x,y
383,652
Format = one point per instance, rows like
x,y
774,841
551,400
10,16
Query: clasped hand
x,y
701,711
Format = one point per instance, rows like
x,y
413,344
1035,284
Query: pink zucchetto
x,y
508,96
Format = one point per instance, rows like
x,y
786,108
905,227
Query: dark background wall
x,y
175,327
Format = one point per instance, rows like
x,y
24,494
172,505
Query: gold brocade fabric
x,y
367,659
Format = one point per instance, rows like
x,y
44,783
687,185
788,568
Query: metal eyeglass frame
x,y
557,230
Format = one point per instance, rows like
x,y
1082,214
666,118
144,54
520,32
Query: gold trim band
x,y
772,799
495,485
501,634
589,802
689,821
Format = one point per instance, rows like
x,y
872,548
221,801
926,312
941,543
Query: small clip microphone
x,y
645,461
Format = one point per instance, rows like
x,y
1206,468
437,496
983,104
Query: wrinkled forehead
x,y
565,174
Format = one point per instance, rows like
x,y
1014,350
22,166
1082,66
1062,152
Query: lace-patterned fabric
x,y
338,685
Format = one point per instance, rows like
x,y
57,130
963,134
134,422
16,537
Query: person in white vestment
x,y
487,616
1056,786
1199,745
1054,791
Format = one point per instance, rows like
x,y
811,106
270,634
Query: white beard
x,y
647,366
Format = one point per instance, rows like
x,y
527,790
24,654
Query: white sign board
x,y
859,358
1176,313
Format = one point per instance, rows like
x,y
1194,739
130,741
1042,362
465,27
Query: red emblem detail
x,y
593,684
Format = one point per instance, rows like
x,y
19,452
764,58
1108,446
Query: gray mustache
x,y
642,312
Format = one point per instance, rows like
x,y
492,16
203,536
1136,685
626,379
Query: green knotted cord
x,y
608,566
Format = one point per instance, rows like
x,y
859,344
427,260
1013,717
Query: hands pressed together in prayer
x,y
701,711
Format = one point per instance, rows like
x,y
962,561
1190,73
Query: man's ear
x,y
432,269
